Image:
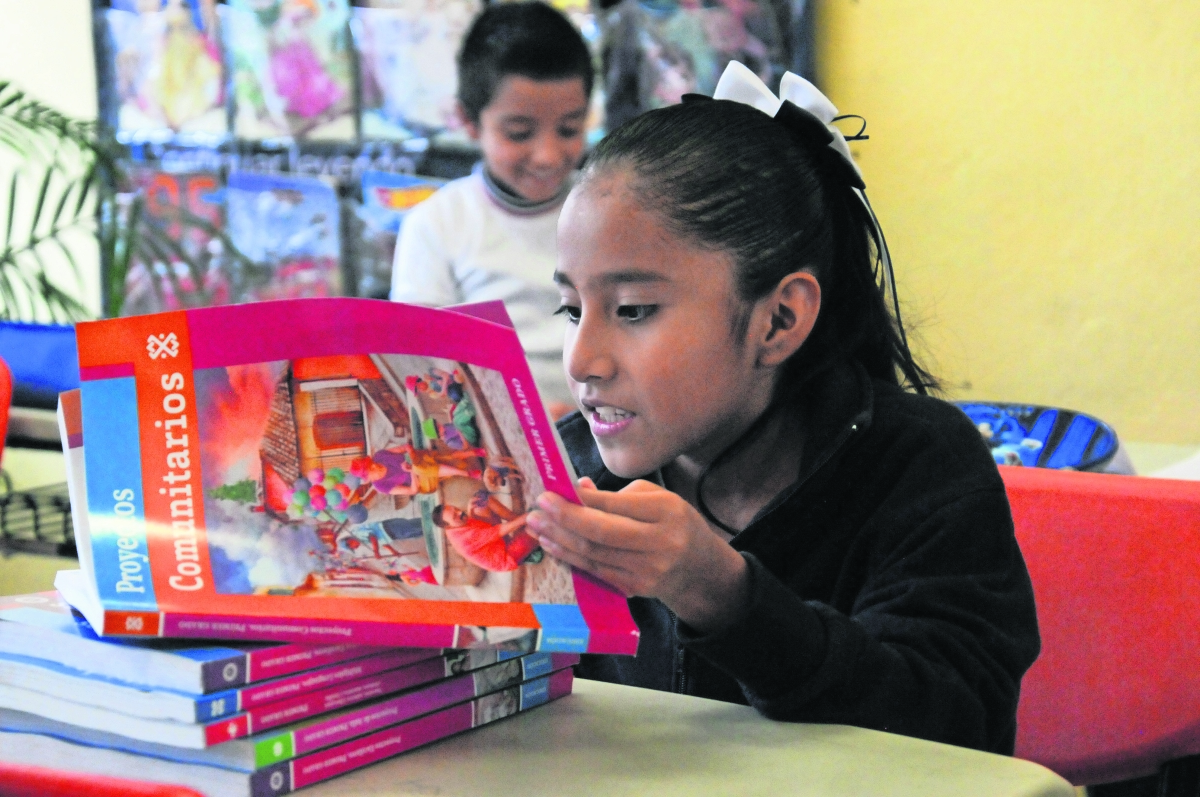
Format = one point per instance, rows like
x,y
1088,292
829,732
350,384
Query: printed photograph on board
x,y
289,226
406,64
292,65
167,66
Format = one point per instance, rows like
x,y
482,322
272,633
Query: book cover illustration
x,y
289,227
180,262
387,468
292,68
387,199
277,461
407,65
166,58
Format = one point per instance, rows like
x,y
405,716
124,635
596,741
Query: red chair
x,y
6,390
1115,564
18,780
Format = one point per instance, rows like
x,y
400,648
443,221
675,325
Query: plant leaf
x,y
41,202
12,211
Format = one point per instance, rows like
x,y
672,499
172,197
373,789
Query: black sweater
x,y
887,589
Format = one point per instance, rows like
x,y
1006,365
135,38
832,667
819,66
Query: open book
x,y
321,470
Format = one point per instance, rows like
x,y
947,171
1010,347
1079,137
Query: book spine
x,y
290,629
115,500
371,748
275,714
303,683
220,674
403,707
286,629
216,705
273,662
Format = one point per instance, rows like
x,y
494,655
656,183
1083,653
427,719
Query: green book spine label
x,y
274,748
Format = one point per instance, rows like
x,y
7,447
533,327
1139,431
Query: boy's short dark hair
x,y
529,39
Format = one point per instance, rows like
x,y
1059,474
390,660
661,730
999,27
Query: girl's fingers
x,y
640,500
599,526
547,528
618,576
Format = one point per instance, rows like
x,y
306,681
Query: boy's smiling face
x,y
650,350
531,134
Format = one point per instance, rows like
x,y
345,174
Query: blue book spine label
x,y
116,511
535,693
563,628
536,665
215,706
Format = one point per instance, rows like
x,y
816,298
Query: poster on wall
x,y
658,50
164,57
180,261
408,75
386,200
292,68
290,225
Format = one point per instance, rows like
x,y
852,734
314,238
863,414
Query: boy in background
x,y
524,78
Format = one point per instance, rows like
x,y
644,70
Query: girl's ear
x,y
464,119
786,318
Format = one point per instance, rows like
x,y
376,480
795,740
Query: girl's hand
x,y
646,540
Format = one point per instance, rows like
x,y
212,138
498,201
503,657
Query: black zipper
x,y
680,679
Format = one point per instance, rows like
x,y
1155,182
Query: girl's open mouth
x,y
607,420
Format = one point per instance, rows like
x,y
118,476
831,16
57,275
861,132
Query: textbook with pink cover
x,y
319,470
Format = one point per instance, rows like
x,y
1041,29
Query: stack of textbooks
x,y
337,489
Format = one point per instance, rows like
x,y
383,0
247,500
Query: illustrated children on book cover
x,y
166,59
292,68
372,476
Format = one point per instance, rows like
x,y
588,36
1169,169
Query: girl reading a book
x,y
798,526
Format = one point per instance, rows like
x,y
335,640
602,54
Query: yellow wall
x,y
1036,167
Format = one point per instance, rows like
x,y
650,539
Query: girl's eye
x,y
636,312
569,132
570,311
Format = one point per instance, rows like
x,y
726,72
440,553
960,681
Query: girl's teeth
x,y
611,414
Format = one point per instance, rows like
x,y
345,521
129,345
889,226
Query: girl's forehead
x,y
609,237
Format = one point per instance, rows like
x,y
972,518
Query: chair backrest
x,y
1115,564
6,390
42,359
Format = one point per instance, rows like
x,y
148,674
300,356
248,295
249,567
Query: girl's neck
x,y
741,485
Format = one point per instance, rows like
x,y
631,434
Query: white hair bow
x,y
739,84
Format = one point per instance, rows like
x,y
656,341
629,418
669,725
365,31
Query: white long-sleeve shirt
x,y
462,245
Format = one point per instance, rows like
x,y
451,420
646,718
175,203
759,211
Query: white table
x,y
614,740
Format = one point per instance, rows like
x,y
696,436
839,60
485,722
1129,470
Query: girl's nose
x,y
586,355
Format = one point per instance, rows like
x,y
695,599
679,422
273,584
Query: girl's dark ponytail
x,y
729,177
